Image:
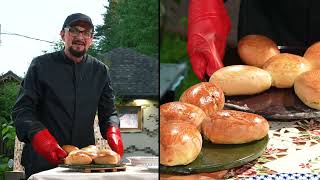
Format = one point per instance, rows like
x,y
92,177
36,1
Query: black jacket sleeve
x,y
107,112
24,112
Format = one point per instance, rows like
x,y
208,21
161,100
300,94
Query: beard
x,y
76,53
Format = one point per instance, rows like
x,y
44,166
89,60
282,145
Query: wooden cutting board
x,y
88,168
278,104
215,157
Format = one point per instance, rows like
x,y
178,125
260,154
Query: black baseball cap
x,y
73,18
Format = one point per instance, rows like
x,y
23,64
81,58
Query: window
x,y
130,118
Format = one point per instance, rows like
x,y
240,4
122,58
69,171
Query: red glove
x,y
46,145
208,28
114,139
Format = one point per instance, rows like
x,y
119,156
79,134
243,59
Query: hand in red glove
x,y
46,145
208,28
114,139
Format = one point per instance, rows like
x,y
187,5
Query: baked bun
x,y
312,55
107,157
307,88
234,127
69,148
241,80
78,157
180,143
255,50
206,95
173,111
91,150
284,68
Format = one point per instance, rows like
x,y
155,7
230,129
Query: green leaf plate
x,y
215,157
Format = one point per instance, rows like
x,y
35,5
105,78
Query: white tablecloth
x,y
131,172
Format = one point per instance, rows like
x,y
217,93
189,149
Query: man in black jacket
x,y
59,97
292,23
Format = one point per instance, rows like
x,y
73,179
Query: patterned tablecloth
x,y
293,147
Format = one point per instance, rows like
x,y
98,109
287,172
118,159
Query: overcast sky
x,y
38,19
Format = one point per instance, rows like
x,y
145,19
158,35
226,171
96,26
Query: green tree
x,y
130,24
8,95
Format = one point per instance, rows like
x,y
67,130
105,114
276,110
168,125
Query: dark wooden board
x,y
88,168
277,104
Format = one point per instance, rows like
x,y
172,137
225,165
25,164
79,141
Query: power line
x,y
15,34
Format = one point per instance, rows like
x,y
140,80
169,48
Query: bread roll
x,y
180,143
78,157
206,95
69,148
91,150
255,50
173,111
107,157
307,88
241,80
312,55
234,127
284,68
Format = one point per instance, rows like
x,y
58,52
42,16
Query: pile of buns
x,y
266,67
198,113
90,154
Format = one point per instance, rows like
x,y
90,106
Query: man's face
x,y
77,38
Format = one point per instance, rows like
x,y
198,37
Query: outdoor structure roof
x,y
133,75
10,76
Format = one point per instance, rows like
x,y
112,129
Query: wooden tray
x,y
88,168
215,157
279,104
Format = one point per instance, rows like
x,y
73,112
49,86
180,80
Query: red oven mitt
x,y
46,145
208,28
114,139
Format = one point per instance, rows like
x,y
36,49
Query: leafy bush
x,y
8,95
4,166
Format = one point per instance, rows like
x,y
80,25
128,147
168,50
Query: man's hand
x,y
114,139
46,145
208,28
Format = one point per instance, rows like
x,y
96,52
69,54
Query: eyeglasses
x,y
75,31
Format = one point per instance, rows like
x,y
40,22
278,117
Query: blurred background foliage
x,y
173,38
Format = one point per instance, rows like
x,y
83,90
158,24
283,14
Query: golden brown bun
x,y
78,157
312,55
284,68
107,157
255,50
91,150
180,143
69,148
241,80
307,88
174,111
206,95
234,127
